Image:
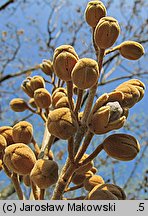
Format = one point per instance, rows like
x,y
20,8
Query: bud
x,y
57,95
44,173
95,10
106,32
62,123
78,178
64,60
19,158
109,112
42,98
63,102
131,50
86,167
85,73
6,132
22,132
26,87
114,189
97,194
47,67
133,91
26,180
3,143
32,103
18,105
92,181
121,147
37,82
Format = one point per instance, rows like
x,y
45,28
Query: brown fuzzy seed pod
x,y
37,82
109,112
44,173
3,143
19,158
97,194
22,132
114,189
131,50
63,102
6,132
32,103
86,167
78,178
42,98
95,10
85,73
62,123
18,105
64,60
133,91
121,147
106,32
91,182
26,180
26,87
47,67
57,95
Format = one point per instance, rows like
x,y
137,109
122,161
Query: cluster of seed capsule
x,y
63,116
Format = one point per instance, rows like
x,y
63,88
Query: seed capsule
x,y
85,73
37,82
18,105
19,158
57,95
106,32
92,181
22,132
47,67
121,147
64,60
44,173
62,123
42,98
131,50
107,114
97,194
95,10
133,91
79,178
114,189
26,87
3,143
6,132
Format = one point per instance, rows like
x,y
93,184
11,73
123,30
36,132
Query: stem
x,y
35,191
16,183
112,50
93,155
42,194
70,94
84,146
79,101
36,147
73,188
66,173
71,149
46,142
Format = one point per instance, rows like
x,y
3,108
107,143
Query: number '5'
x,y
141,206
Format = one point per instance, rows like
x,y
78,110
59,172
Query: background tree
x,y
30,32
